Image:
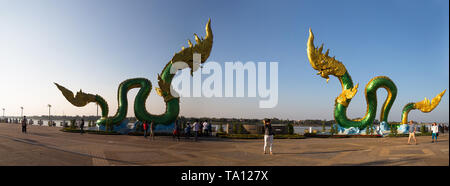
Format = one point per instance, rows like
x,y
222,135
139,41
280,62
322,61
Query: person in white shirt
x,y
435,132
205,128
196,127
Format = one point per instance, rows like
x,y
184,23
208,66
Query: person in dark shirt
x,y
176,130
187,130
82,126
24,124
152,130
268,136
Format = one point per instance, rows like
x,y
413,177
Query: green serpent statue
x,y
330,66
202,46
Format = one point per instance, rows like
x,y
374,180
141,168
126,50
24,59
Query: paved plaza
x,y
44,145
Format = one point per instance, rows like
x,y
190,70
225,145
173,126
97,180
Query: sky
x,y
94,45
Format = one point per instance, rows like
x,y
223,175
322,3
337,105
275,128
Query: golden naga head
x,y
322,62
80,99
202,46
426,106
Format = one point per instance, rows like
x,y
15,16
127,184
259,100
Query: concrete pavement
x,y
44,145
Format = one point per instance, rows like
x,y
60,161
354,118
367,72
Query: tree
x,y
234,129
332,131
323,126
220,128
72,124
241,129
290,128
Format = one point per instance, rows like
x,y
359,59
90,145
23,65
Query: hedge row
x,y
259,136
89,131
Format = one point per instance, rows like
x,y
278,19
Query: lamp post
x,y
3,112
21,113
49,119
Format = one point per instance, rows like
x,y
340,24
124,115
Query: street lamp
x,y
49,119
21,113
3,112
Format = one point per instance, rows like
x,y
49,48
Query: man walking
x,y
205,128
176,130
24,124
268,136
82,126
196,126
187,130
145,127
152,130
412,131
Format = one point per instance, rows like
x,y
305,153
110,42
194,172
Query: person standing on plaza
x,y
412,131
209,128
176,130
187,130
205,128
145,127
24,124
152,130
434,133
268,136
196,126
82,126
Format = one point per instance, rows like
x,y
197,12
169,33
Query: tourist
x,y
82,126
152,130
268,136
200,130
412,131
176,130
205,128
196,126
24,124
434,133
145,127
187,130
209,128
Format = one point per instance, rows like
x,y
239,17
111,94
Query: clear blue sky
x,y
96,44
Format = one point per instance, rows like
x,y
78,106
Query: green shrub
x,y
242,129
235,128
393,129
220,128
423,129
290,129
72,124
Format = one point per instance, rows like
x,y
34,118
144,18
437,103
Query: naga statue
x,y
330,66
202,46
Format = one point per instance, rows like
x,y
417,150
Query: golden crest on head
x,y
323,63
202,46
427,106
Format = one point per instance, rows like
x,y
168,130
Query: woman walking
x,y
435,133
268,136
